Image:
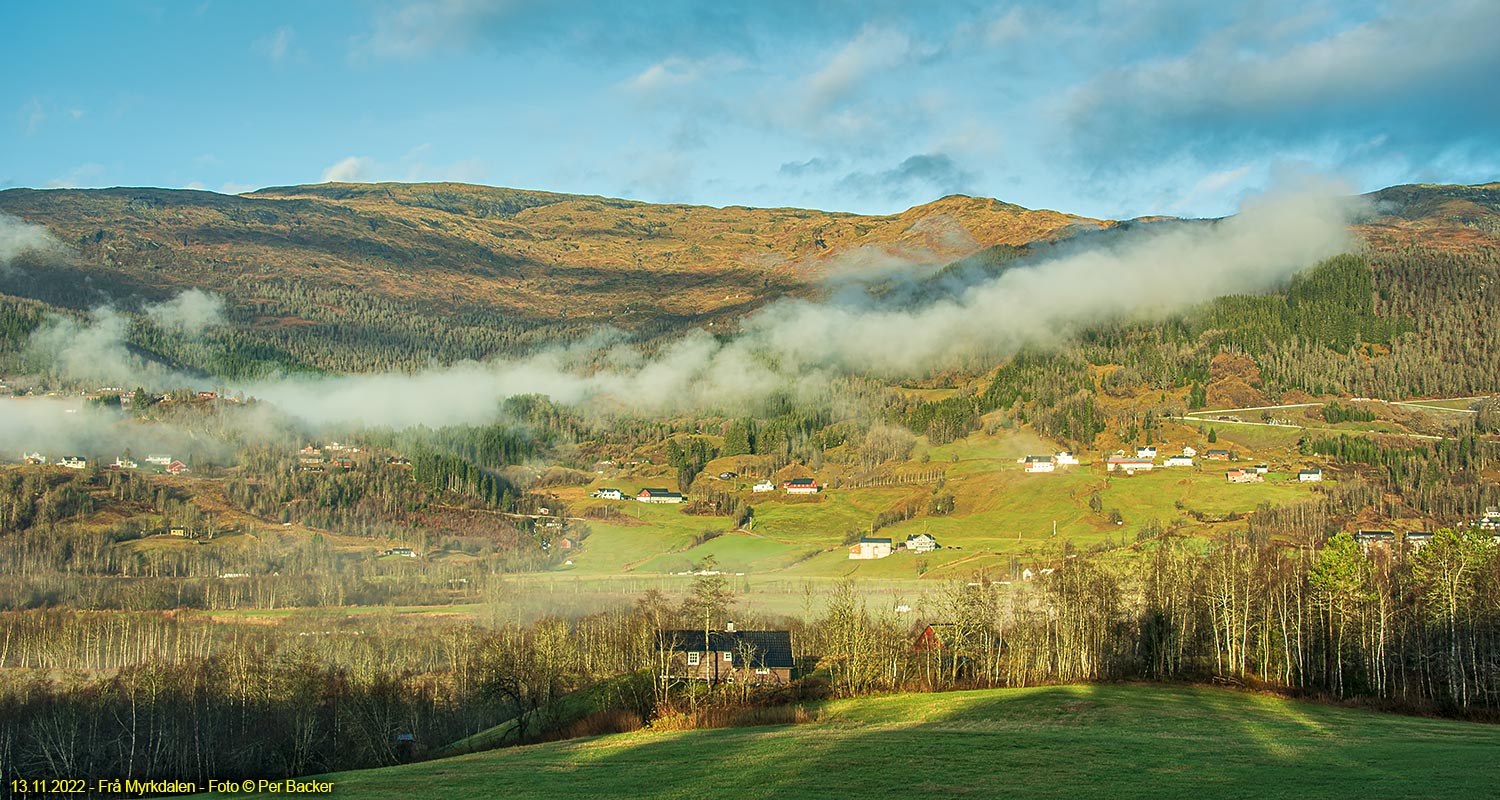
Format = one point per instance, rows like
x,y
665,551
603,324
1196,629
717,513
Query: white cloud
x,y
34,115
875,49
82,176
277,46
353,169
1423,73
416,29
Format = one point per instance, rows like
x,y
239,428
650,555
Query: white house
x,y
33,458
1189,451
1490,521
123,463
870,547
1065,459
1243,476
1040,464
1313,475
73,462
1261,469
921,543
1145,452
1178,461
159,460
1130,465
650,495
763,486
801,486
609,494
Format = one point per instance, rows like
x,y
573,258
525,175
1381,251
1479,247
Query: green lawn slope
x,y
1051,742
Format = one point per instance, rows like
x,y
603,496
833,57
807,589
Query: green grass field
x,y
1051,742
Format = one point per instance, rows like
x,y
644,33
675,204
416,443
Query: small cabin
x,y
1310,475
763,486
608,494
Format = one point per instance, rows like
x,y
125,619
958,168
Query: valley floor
x,y
1050,742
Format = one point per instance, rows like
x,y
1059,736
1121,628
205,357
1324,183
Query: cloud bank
x,y
799,346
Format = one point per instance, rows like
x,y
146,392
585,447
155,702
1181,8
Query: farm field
x,y
1119,741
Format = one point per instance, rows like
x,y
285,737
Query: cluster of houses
x,y
1257,474
873,547
164,463
1413,541
334,454
1144,460
653,494
1062,458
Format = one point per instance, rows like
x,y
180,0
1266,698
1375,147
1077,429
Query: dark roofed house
x,y
727,656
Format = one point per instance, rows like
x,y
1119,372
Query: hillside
x,y
488,270
1054,742
356,277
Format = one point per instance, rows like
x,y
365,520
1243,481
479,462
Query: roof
x,y
874,540
653,490
769,649
1218,452
801,482
1031,459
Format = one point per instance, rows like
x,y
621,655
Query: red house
x,y
177,468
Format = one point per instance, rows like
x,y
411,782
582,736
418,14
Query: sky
x,y
1108,109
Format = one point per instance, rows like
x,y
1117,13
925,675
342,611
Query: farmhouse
x,y
921,543
937,636
651,495
1490,521
33,458
1145,452
1243,476
801,486
1189,451
123,463
1040,464
177,468
405,552
158,460
763,486
1370,541
870,548
726,656
1065,459
608,494
73,462
1310,475
1130,465
1261,469
1219,455
1178,461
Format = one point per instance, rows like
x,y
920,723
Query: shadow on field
x,y
1049,742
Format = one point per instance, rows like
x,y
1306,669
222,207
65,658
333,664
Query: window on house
x,y
693,659
728,656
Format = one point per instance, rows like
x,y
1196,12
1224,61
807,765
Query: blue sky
x,y
1110,109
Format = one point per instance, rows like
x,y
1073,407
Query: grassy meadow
x,y
1117,741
